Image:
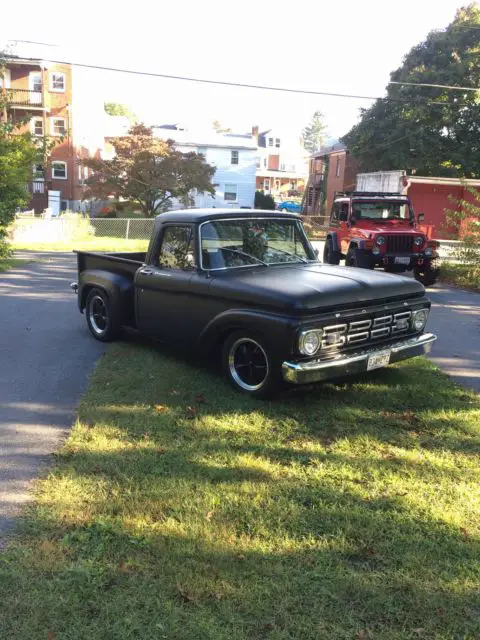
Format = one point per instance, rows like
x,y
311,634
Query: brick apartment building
x,y
331,169
51,97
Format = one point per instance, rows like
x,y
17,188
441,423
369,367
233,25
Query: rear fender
x,y
118,288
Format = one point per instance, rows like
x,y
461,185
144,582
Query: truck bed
x,y
123,263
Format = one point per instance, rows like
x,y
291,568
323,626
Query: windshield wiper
x,y
244,253
294,255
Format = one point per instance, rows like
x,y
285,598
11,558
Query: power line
x,y
436,86
243,85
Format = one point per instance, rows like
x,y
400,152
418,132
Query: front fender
x,y
118,288
277,330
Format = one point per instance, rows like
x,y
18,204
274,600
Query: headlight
x,y
419,240
310,341
375,251
419,319
380,240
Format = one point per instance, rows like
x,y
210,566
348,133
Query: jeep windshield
x,y
253,242
382,210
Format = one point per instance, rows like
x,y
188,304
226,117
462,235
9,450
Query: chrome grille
x,y
400,243
362,331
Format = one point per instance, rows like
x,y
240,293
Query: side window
x,y
335,212
177,248
343,214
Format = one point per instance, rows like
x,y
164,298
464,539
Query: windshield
x,y
382,211
243,243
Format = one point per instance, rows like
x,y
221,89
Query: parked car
x,y
370,229
291,206
248,284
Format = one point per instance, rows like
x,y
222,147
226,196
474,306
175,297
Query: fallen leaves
x,y
161,408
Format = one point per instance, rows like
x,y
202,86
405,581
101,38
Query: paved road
x,y
46,354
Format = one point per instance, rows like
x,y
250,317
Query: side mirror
x,y
420,217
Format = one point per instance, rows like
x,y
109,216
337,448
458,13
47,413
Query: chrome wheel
x,y
98,315
248,364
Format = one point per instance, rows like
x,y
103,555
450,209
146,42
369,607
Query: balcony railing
x,y
37,186
23,98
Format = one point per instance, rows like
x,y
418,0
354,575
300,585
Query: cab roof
x,y
203,215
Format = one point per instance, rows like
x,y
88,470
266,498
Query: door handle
x,y
146,271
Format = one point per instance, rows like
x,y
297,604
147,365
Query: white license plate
x,y
402,260
377,360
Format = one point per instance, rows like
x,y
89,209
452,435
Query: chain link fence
x,y
79,229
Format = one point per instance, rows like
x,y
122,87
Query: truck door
x,y
163,288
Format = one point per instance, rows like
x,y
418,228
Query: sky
x,y
349,46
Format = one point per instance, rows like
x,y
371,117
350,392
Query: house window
x,y
35,81
270,142
58,127
282,167
259,162
37,126
234,158
230,192
337,168
57,82
38,172
264,163
59,170
277,142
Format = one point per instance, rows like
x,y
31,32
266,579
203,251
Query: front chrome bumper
x,y
317,370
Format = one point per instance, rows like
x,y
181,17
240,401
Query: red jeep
x,y
379,230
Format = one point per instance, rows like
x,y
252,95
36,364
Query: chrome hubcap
x,y
98,315
248,364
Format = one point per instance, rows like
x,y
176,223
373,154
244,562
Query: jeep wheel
x,y
248,365
354,260
329,255
428,272
101,318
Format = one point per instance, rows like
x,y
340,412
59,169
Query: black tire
x,y
102,320
248,365
354,260
428,272
329,255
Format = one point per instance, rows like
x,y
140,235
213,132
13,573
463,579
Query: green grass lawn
x,y
180,509
9,263
462,275
91,244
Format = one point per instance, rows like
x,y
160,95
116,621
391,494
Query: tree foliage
x,y
465,220
149,171
313,134
18,152
117,109
263,201
428,130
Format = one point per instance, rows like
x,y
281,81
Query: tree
x,y
149,171
117,109
263,201
314,133
18,153
428,130
216,124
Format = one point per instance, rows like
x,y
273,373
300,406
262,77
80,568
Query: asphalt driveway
x,y
46,355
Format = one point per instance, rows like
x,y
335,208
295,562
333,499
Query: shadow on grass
x,y
182,509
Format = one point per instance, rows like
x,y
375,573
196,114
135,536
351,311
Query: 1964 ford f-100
x,y
249,284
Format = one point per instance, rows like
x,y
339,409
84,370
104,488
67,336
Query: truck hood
x,y
385,227
311,287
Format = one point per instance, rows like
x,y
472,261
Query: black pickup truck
x,y
248,284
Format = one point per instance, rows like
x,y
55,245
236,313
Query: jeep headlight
x,y
419,319
380,240
419,240
310,341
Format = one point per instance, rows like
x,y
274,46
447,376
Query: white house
x,y
233,157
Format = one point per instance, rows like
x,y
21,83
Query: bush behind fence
x,y
78,229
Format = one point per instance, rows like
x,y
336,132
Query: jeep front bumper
x,y
357,362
